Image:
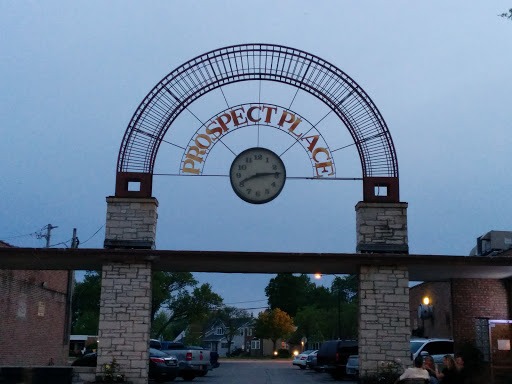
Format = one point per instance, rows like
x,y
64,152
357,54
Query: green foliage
x,y
289,292
86,305
166,286
274,325
193,307
315,308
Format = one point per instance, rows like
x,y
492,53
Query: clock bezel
x,y
244,196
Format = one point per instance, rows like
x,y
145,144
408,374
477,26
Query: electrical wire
x,y
95,233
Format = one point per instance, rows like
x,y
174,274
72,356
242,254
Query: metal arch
x,y
247,62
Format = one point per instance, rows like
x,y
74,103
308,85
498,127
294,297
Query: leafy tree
x,y
86,305
346,286
166,286
274,325
232,318
193,307
289,292
309,320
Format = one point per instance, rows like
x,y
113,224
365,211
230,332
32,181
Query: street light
x,y
338,280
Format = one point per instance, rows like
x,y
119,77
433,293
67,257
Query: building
x,y
472,311
36,316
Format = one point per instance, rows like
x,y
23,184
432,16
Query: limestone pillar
x,y
125,319
381,227
125,308
131,222
384,323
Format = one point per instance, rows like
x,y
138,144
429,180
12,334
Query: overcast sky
x,y
73,73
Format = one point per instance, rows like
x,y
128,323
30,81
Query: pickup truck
x,y
192,361
333,355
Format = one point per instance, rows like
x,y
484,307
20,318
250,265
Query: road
x,y
263,372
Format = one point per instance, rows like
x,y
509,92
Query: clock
x,y
257,175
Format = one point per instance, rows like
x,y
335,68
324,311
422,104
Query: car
x,y
301,358
162,366
437,348
333,356
352,367
312,362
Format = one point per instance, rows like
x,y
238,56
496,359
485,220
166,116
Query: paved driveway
x,y
263,372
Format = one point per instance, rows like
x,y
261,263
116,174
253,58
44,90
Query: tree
x,y
194,307
86,304
166,286
309,320
233,318
289,292
274,325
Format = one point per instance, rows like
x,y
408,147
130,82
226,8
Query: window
x,y
482,337
241,332
249,331
219,331
255,344
248,345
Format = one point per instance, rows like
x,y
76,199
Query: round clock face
x,y
257,175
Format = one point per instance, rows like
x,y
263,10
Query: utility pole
x,y
49,228
75,241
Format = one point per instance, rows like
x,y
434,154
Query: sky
x,y
73,73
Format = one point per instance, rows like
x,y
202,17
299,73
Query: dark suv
x,y
333,356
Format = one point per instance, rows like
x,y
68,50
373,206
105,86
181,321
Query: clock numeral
x,y
266,159
267,191
241,184
248,160
238,175
276,175
242,167
248,190
274,167
273,184
258,193
258,157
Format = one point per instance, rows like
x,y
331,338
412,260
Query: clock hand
x,y
259,174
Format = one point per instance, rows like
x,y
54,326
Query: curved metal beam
x,y
250,62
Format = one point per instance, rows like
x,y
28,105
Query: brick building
x,y
35,318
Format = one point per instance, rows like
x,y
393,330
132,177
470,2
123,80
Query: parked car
x,y
193,361
352,368
301,358
162,366
312,361
437,348
333,356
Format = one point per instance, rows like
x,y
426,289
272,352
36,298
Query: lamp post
x,y
338,285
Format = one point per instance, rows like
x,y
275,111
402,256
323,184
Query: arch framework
x,y
258,62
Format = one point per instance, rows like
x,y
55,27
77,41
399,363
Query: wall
x,y
476,298
32,323
439,293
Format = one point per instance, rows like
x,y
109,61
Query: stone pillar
x,y
125,319
131,222
381,227
384,323
125,311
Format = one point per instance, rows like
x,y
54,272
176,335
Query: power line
x,y
95,233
